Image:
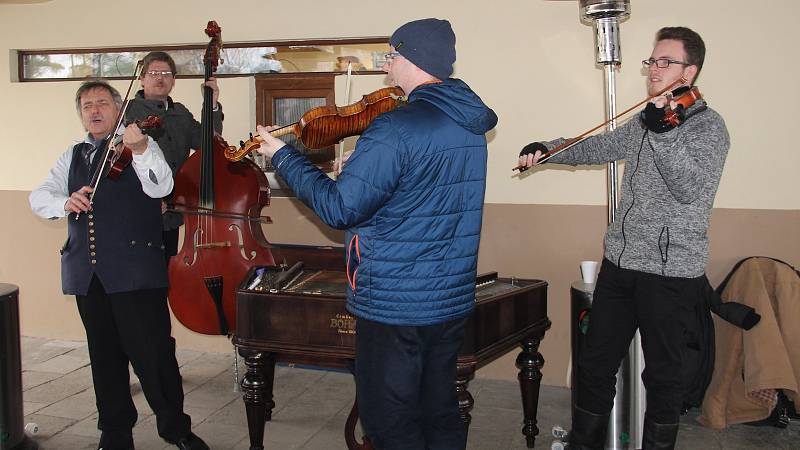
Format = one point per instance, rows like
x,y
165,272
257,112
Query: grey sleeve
x,y
690,157
597,149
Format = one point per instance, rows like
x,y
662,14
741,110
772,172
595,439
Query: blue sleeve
x,y
368,180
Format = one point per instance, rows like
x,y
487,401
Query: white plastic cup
x,y
589,271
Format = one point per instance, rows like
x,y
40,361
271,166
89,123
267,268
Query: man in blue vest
x,y
113,262
411,199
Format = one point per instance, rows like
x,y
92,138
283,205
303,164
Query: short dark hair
x,y
94,84
692,43
159,56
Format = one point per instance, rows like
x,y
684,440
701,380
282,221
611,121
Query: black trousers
x,y
663,309
133,327
405,383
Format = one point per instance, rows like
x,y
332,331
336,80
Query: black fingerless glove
x,y
653,119
530,149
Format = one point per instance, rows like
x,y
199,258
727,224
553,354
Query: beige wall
x,y
532,61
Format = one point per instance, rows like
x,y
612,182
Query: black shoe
x,y
192,442
658,436
588,430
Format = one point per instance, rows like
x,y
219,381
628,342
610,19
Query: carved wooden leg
x,y
465,373
257,387
350,431
530,363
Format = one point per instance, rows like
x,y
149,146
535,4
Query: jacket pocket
x,y
663,248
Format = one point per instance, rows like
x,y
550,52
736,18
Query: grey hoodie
x,y
668,189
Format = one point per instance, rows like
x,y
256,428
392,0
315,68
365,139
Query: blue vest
x,y
119,240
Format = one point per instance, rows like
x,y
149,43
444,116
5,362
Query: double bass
x,y
221,203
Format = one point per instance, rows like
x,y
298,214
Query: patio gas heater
x,y
627,416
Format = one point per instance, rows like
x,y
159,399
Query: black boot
x,y
658,436
588,430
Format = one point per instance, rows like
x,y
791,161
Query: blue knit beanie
x,y
428,43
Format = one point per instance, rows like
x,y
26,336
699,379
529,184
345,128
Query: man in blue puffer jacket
x,y
411,199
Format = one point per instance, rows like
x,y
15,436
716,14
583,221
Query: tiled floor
x,y
312,406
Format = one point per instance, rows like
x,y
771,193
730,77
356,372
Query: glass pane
x,y
234,61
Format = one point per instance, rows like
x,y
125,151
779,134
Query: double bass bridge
x,y
221,244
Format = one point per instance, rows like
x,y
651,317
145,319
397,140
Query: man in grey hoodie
x,y
655,252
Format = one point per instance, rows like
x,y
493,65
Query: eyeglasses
x,y
390,56
662,63
159,73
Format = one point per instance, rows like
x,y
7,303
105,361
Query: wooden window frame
x,y
298,85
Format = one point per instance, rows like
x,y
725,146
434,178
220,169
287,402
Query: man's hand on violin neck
x,y
661,101
78,202
338,164
134,139
271,144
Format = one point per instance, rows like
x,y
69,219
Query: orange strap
x,y
352,281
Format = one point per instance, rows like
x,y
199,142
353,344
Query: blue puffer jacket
x,y
411,199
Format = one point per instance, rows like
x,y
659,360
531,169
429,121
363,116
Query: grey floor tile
x,y
86,427
220,436
62,364
31,407
35,351
64,441
78,406
54,391
311,408
32,378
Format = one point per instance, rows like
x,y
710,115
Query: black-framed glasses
x,y
662,63
160,73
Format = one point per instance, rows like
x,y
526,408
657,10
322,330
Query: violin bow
x,y
572,141
347,102
110,145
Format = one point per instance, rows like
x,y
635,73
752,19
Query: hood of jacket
x,y
453,97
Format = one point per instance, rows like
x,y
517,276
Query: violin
x,y
119,157
324,126
684,97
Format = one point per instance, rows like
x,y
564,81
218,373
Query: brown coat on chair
x,y
751,365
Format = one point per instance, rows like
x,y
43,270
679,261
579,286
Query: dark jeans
x,y
663,309
133,327
405,382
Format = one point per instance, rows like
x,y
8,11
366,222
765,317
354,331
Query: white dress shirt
x,y
48,199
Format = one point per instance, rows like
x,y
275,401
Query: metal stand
x,y
627,417
12,434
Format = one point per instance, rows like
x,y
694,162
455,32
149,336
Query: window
x,y
364,55
282,99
